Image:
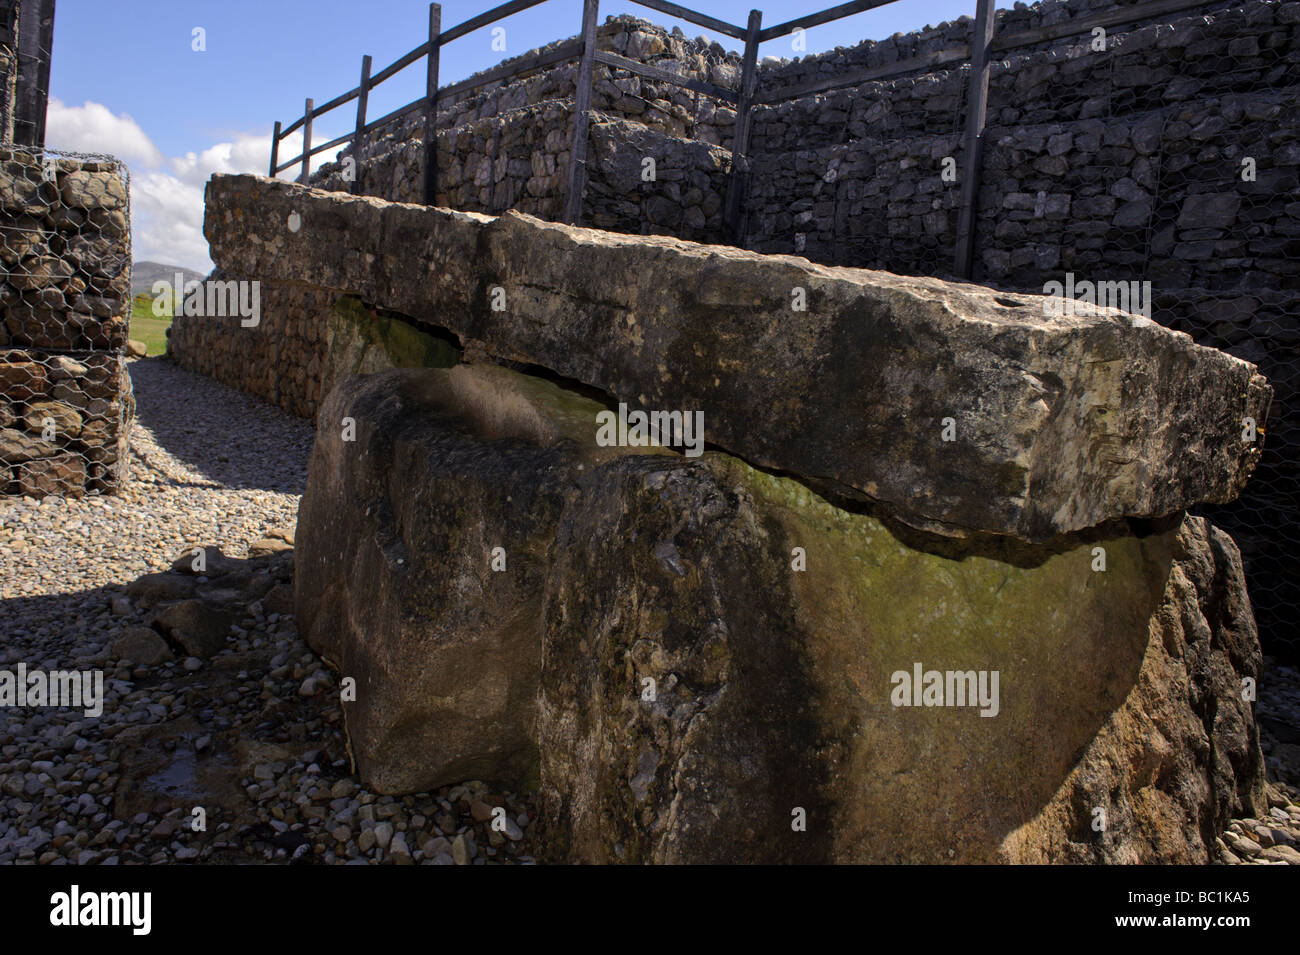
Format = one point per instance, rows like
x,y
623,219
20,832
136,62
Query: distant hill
x,y
144,274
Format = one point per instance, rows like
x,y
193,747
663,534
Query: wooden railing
x,y
583,49
978,53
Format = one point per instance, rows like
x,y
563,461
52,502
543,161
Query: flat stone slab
x,y
957,409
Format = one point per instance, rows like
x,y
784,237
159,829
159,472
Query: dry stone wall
x,y
519,161
507,146
666,108
65,279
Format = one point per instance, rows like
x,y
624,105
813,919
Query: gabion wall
x,y
65,295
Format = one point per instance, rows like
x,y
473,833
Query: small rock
x,y
342,789
200,629
140,646
1281,854
460,850
480,810
399,850
267,547
1245,847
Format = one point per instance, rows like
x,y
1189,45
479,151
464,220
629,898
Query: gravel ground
x,y
250,735
239,755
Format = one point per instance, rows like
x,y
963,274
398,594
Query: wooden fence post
x,y
306,142
733,215
977,101
431,109
581,104
359,138
275,148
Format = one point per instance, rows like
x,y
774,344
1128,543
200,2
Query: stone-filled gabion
x,y
65,293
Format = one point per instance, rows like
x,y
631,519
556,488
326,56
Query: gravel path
x,y
252,735
249,736
208,464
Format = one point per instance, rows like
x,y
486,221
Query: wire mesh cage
x,y
65,295
1158,161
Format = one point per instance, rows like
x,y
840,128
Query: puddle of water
x,y
178,778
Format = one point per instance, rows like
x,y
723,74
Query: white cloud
x,y
167,221
93,128
166,192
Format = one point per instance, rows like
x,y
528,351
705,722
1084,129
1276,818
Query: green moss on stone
x,y
362,341
966,612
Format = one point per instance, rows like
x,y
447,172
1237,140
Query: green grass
x,y
148,327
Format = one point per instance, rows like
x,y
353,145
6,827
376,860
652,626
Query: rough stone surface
x,y
362,341
1122,165
170,737
141,646
772,683
199,628
773,688
395,580
1058,424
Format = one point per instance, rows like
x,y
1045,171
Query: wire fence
x,y
65,278
1172,171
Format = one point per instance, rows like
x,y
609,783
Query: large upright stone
x,y
1056,424
424,541
689,656
725,657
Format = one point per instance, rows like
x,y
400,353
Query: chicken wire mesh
x,y
864,175
65,294
1167,160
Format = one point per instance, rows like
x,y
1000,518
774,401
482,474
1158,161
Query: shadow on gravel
x,y
61,625
218,433
168,739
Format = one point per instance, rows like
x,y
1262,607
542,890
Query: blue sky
x,y
126,80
